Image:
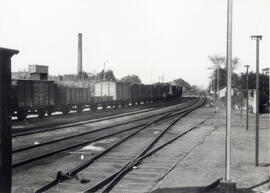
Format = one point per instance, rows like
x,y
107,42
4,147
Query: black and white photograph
x,y
134,96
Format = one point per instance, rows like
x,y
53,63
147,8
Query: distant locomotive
x,y
42,96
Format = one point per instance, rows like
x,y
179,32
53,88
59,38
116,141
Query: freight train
x,y
43,96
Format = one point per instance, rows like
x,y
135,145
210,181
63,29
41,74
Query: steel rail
x,y
31,159
27,147
74,171
116,177
88,162
130,165
34,130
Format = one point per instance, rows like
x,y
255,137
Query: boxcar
x,y
157,91
143,92
35,96
147,93
119,91
72,97
122,91
135,93
105,88
165,90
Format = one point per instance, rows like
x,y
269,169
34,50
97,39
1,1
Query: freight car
x,y
41,96
119,91
32,96
69,98
125,94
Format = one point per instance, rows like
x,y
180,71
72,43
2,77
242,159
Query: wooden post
x,y
5,119
241,107
247,66
257,38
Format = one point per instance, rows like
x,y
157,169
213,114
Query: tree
x,y
263,86
82,75
219,71
109,75
132,79
220,62
106,75
217,60
182,83
21,75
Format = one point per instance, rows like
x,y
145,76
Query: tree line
x,y
239,81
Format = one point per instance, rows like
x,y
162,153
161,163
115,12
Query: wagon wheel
x,y
21,115
79,109
41,113
49,112
65,110
93,107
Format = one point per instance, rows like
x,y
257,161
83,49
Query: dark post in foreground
x,y
5,119
247,66
257,38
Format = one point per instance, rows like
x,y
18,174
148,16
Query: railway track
x,y
30,153
24,132
26,147
134,158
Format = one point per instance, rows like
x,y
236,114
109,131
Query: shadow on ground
x,y
198,190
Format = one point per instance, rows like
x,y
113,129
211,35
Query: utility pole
x,y
247,66
241,107
229,89
213,86
257,38
218,91
216,82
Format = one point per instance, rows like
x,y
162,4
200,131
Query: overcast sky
x,y
144,37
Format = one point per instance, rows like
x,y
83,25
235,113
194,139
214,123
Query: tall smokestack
x,y
79,67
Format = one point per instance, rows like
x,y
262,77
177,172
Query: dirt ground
x,y
206,162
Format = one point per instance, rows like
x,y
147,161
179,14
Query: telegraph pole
x,y
214,87
247,66
241,108
257,38
218,91
216,81
229,89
